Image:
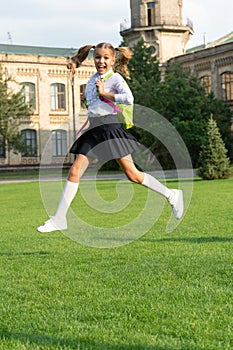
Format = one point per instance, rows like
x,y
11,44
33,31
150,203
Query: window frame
x,y
82,91
2,147
30,143
150,6
206,82
227,86
57,97
59,143
30,95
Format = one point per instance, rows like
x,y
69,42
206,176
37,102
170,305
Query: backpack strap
x,y
83,126
112,104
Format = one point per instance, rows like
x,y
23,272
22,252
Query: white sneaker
x,y
52,225
177,203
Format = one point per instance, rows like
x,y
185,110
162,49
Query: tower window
x,y
151,13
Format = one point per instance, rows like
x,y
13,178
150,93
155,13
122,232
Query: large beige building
x,y
54,95
54,92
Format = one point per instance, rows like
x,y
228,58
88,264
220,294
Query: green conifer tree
x,y
213,155
12,108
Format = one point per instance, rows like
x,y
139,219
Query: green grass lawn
x,y
163,291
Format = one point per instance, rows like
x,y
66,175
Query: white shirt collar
x,y
105,74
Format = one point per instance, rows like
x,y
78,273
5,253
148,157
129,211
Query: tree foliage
x,y
181,99
12,109
213,155
144,74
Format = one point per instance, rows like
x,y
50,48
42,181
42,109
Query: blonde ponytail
x,y
79,57
123,55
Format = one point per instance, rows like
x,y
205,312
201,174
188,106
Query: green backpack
x,y
124,112
126,115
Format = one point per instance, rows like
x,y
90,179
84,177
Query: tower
x,y
159,24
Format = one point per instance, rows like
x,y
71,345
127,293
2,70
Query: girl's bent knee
x,y
73,174
136,178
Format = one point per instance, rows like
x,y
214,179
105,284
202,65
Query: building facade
x,y
159,23
54,95
213,65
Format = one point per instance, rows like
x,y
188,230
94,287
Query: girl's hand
x,y
100,87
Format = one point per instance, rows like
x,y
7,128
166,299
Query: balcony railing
x,y
125,25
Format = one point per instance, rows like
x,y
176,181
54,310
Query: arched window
x,y
57,96
2,147
28,90
206,83
59,143
227,86
82,90
29,142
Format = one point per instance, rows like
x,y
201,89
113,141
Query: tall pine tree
x,y
213,155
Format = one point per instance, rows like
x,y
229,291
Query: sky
x,y
73,23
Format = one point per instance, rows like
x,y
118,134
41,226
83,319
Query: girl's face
x,y
104,60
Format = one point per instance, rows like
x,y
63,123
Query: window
x,y
153,49
28,90
59,143
30,144
151,13
227,86
2,148
82,91
206,83
57,96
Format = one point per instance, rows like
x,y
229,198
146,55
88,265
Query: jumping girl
x,y
105,137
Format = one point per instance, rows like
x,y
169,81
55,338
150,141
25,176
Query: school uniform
x,y
105,137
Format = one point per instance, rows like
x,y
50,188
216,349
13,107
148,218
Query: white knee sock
x,y
68,194
151,182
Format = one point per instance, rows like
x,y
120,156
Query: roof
x,y
36,50
228,38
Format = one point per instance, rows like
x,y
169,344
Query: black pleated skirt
x,y
105,139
